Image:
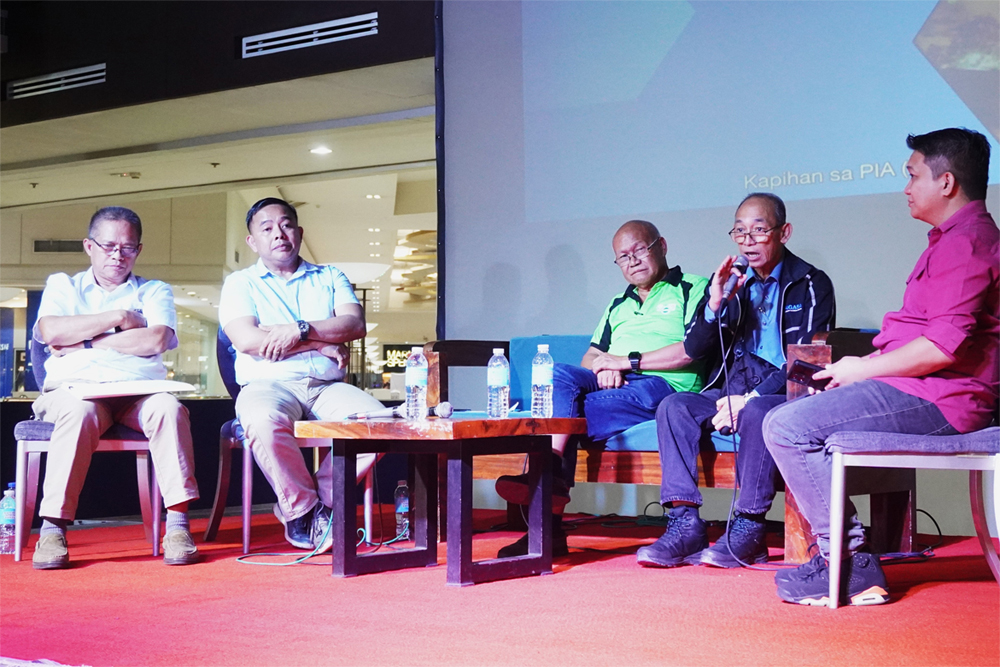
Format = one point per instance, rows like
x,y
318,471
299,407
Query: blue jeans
x,y
796,434
575,393
684,423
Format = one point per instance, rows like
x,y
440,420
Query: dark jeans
x,y
684,422
575,393
796,435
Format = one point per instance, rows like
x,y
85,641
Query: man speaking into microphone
x,y
760,302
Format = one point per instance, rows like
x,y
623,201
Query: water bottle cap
x,y
10,486
498,350
401,482
416,349
543,347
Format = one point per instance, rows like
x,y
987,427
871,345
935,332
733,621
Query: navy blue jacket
x,y
806,305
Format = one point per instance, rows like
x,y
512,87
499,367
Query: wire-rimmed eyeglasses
x,y
625,259
110,248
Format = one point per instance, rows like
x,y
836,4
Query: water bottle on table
x,y
541,383
498,385
416,385
8,516
402,498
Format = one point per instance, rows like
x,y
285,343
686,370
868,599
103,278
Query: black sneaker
x,y
520,548
514,489
862,582
321,533
298,532
746,542
686,535
788,574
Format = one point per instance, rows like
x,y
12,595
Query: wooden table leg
x,y
462,571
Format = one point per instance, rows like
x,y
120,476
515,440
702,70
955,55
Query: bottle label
x,y
402,505
416,376
498,377
541,374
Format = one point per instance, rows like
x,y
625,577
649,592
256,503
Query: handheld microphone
x,y
739,268
442,410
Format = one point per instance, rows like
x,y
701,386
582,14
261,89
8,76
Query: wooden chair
x,y
33,438
231,437
974,452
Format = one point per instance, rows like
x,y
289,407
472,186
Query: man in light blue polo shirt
x,y
288,319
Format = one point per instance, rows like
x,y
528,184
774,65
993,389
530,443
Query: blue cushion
x,y
564,350
642,438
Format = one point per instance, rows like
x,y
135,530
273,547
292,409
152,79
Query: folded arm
x,y
141,342
276,342
666,358
65,330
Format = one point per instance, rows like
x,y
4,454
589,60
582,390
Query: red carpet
x,y
117,606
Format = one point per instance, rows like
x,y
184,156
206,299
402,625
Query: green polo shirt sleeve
x,y
630,325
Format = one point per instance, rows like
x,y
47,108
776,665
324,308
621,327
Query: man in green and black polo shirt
x,y
636,358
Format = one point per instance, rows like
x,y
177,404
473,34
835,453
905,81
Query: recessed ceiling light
x,y
204,298
373,197
192,294
321,150
374,243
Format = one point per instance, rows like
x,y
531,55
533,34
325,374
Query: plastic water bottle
x,y
402,497
8,514
498,385
541,383
416,385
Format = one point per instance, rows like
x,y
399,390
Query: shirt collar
x,y
776,274
674,277
90,282
960,216
304,267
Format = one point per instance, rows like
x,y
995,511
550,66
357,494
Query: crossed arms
x,y
278,341
67,333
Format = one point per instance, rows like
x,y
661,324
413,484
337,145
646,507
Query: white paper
x,y
126,388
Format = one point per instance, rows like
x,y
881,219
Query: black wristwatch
x,y
88,344
303,330
634,358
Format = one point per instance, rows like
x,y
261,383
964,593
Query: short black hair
x,y
115,213
272,201
964,153
777,205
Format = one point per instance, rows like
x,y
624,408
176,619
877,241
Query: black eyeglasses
x,y
110,248
759,234
642,253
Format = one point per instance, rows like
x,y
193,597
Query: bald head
x,y
641,253
640,229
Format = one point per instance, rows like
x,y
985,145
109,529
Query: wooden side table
x,y
458,441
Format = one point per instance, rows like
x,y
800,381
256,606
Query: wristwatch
x,y
303,330
88,344
634,358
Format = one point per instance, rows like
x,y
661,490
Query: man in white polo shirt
x,y
287,319
106,325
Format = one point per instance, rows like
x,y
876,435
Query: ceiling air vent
x,y
58,245
352,27
53,83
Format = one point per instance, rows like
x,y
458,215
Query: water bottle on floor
x,y
8,514
498,385
416,385
402,498
541,383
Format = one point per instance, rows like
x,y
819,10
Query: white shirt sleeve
x,y
57,300
157,302
343,293
235,300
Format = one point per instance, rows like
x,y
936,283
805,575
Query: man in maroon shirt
x,y
935,371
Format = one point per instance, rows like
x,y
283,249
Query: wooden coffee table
x,y
456,440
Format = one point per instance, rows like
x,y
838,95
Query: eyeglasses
x,y
759,234
110,248
640,254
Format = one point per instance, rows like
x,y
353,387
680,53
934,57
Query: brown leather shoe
x,y
51,552
179,548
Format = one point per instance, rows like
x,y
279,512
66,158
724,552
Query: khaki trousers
x,y
268,410
78,426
